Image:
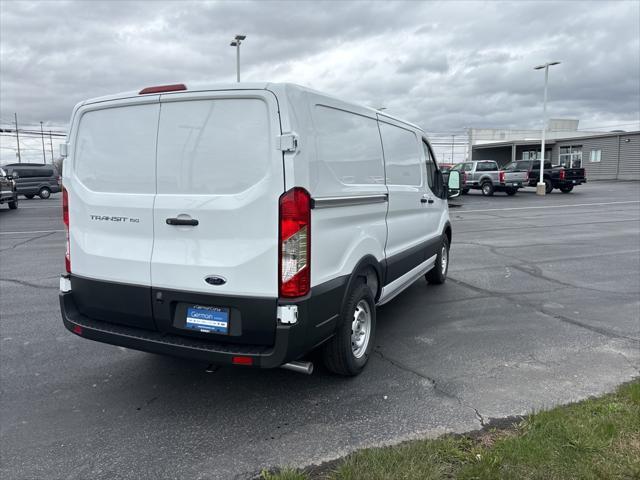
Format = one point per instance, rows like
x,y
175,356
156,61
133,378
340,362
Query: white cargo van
x,y
246,224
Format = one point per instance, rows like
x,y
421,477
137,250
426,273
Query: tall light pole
x,y
453,139
15,116
236,43
44,157
540,188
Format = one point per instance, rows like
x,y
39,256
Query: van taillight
x,y
295,243
501,176
562,174
65,219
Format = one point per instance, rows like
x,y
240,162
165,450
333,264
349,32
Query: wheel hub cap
x,y
360,329
444,259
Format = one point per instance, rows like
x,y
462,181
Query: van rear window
x,y
116,148
219,146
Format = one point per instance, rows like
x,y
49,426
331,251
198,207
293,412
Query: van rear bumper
x,y
288,345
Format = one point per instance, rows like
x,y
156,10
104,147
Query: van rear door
x,y
219,179
110,177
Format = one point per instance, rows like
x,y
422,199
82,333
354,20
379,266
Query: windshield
x,y
458,167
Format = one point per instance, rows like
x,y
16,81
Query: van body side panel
x,y
345,164
411,220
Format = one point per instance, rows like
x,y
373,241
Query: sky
x,y
447,66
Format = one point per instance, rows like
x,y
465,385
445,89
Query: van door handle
x,y
182,221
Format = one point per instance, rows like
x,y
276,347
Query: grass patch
x,y
595,439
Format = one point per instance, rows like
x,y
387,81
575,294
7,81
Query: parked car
x,y
35,179
8,193
277,228
555,176
486,176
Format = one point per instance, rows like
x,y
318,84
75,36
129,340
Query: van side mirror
x,y
63,150
453,184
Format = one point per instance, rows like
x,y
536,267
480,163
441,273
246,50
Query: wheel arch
x,y
366,264
448,231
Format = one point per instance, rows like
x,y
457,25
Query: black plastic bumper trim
x,y
175,345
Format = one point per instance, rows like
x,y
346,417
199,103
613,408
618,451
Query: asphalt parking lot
x,y
542,306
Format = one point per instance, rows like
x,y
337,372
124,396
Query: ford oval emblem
x,y
215,280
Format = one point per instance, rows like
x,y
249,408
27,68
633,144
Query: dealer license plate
x,y
208,319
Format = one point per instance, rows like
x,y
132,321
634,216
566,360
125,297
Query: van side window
x,y
401,155
349,146
431,166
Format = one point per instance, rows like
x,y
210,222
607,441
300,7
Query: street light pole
x,y
236,43
15,116
44,157
453,139
540,187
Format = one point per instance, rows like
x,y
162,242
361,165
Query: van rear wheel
x,y
44,193
438,274
349,349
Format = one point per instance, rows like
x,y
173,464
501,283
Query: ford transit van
x,y
246,224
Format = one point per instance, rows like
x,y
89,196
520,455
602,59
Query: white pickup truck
x,y
486,176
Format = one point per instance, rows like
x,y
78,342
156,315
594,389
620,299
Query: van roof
x,y
197,87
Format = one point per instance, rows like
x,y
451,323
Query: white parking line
x,y
31,231
548,206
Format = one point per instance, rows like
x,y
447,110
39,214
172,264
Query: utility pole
x,y
44,157
51,146
453,139
15,116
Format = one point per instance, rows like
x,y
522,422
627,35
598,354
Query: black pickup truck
x,y
555,176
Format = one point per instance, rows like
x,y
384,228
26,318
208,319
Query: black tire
x,y
338,353
464,191
44,193
566,189
548,186
29,196
511,191
13,204
438,274
487,189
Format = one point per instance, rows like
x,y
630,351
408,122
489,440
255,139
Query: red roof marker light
x,y
163,88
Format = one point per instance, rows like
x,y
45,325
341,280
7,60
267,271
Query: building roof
x,y
555,140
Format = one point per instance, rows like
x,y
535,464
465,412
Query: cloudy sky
x,y
444,65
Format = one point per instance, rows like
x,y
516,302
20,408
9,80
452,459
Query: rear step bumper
x,y
287,338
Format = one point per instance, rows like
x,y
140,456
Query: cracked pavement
x,y
542,307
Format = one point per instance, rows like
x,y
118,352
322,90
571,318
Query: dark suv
x,y
34,179
8,192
